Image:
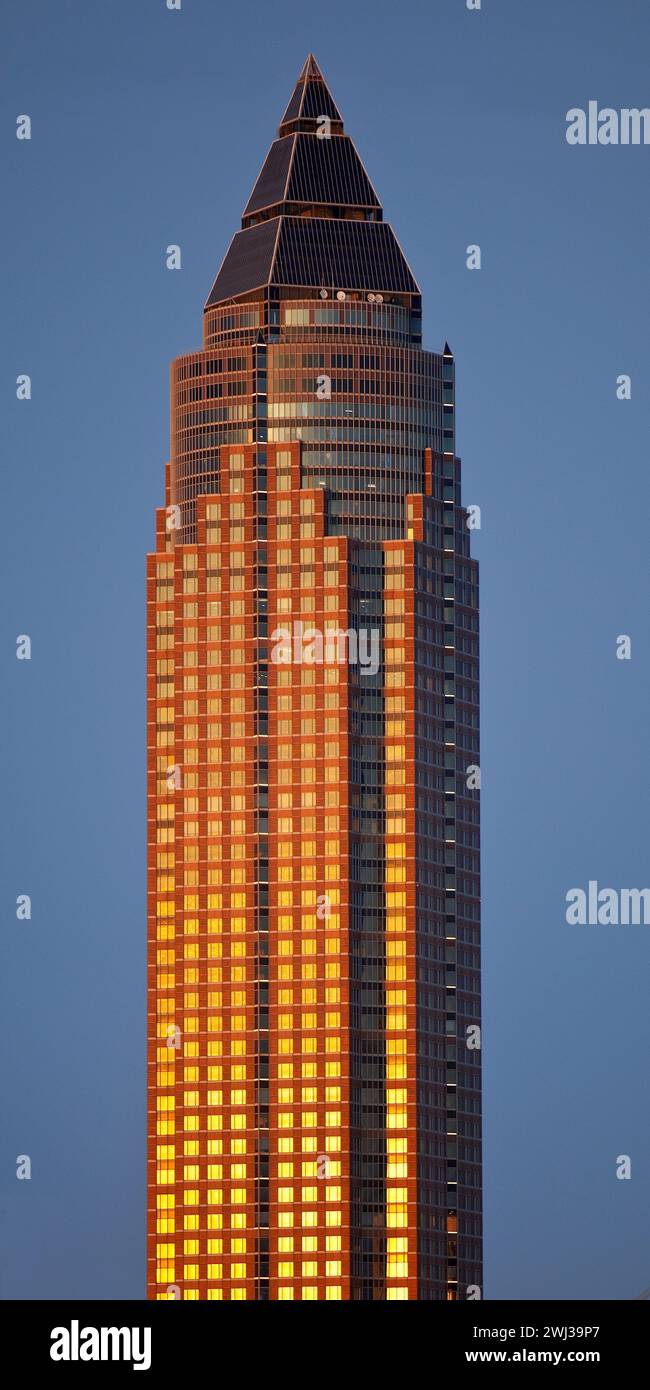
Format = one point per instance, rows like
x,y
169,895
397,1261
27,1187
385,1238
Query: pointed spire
x,y
310,68
311,99
313,164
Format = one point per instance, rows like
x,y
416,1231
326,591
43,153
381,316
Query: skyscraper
x,y
314,1009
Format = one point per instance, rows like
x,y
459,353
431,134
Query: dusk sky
x,y
149,127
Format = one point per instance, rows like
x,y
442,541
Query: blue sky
x,y
149,128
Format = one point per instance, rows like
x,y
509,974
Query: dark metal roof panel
x,y
341,254
318,101
272,180
247,263
329,171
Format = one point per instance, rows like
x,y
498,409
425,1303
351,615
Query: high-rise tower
x,y
314,1009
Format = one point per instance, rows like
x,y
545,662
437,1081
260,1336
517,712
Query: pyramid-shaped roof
x,y
311,98
313,218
